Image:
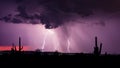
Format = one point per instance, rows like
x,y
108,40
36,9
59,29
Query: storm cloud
x,y
54,13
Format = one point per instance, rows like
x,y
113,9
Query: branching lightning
x,y
48,32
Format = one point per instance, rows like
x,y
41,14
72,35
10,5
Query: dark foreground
x,y
56,59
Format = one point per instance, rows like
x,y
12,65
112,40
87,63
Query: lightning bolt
x,y
44,41
50,32
68,46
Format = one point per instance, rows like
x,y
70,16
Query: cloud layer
x,y
54,13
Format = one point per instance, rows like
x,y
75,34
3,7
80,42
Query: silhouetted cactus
x,y
97,50
100,48
13,49
20,46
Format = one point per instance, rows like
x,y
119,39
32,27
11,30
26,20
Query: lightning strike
x,y
44,41
68,46
49,34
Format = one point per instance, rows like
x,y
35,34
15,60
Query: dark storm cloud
x,y
58,12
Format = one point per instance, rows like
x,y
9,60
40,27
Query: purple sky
x,y
63,25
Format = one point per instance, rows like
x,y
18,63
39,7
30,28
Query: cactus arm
x,y
100,48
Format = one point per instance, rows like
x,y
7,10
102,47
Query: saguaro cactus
x,y
100,48
13,47
97,50
20,46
